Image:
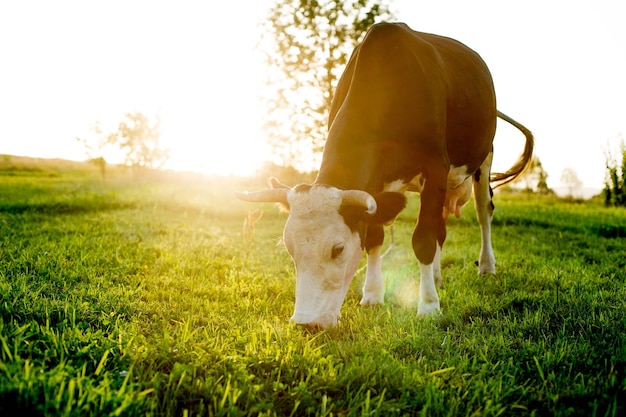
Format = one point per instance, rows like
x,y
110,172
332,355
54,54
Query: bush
x,y
615,182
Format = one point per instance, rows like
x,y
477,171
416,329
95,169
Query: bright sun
x,y
69,69
165,61
220,130
227,148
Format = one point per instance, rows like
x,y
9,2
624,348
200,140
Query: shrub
x,y
615,182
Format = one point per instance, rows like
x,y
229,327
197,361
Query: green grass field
x,y
154,295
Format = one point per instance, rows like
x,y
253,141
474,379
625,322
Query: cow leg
x,y
437,267
374,287
428,236
484,213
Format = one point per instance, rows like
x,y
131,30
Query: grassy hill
x,y
163,295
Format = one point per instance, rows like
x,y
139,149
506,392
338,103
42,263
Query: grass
x,y
152,296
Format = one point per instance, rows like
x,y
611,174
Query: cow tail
x,y
522,163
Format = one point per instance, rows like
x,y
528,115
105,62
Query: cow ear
x,y
274,183
389,205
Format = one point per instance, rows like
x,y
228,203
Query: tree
x,y
535,178
570,179
94,149
615,182
308,43
138,139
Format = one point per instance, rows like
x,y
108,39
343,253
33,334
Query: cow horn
x,y
275,183
274,195
359,198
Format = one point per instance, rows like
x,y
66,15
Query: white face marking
x,y
325,251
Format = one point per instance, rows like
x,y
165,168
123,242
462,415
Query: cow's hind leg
x,y
484,212
374,287
437,267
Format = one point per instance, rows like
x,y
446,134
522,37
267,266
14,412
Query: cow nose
x,y
314,323
311,327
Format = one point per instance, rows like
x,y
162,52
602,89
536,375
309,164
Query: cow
x,y
411,112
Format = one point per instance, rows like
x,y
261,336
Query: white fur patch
x,y
374,288
459,185
457,176
459,191
400,186
428,302
314,201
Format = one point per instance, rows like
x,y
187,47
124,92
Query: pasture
x,y
163,295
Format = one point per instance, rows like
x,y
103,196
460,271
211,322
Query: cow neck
x,y
349,161
349,171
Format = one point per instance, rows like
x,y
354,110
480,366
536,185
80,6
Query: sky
x,y
559,68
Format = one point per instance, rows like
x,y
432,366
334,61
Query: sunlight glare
x,y
72,64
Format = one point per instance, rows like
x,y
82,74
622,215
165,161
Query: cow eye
x,y
337,249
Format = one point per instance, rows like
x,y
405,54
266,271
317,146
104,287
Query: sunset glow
x,y
558,68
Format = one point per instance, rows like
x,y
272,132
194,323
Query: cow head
x,y
324,235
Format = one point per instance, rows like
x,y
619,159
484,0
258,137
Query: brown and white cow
x,y
412,112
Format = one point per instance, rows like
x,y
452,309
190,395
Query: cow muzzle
x,y
314,324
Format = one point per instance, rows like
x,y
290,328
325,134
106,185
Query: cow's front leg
x,y
374,287
428,237
428,302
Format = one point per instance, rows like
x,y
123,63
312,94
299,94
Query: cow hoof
x,y
428,309
486,270
372,300
311,327
486,267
